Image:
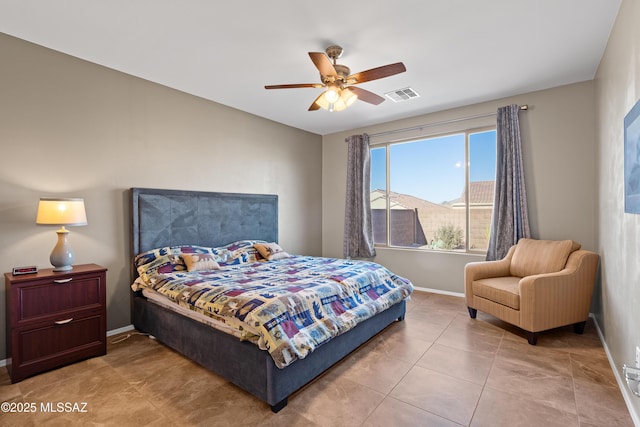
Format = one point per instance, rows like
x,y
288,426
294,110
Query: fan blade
x,y
294,86
315,106
377,73
323,64
366,96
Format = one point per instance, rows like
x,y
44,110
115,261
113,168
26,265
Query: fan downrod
x,y
334,52
342,71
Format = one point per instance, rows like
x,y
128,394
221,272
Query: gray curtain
x,y
510,220
358,227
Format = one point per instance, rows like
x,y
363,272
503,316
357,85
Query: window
x,y
434,193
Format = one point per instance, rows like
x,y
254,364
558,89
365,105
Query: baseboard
x,y
438,291
622,384
3,362
120,330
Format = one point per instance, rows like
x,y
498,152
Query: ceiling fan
x,y
338,80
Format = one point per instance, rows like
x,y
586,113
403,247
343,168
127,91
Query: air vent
x,y
402,94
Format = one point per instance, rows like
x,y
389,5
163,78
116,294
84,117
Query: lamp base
x,y
62,255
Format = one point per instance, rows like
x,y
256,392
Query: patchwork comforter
x,y
292,305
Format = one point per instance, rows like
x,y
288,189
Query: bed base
x,y
243,363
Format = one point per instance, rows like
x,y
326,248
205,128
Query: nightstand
x,y
54,318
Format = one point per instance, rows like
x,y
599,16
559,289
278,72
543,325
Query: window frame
x,y
467,131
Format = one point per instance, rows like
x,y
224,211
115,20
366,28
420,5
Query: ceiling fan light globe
x,y
322,102
339,105
348,97
331,95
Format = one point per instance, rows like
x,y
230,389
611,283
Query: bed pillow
x,y
165,260
239,252
150,255
199,262
162,264
242,256
271,251
240,244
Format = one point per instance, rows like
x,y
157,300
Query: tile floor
x,y
437,368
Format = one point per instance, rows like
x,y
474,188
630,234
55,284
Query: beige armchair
x,y
538,285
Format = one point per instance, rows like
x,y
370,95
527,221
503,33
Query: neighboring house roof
x,y
400,201
480,193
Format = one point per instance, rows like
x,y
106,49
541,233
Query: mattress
x,y
162,301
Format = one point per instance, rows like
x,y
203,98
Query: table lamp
x,y
53,211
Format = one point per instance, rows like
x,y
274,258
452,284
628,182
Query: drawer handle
x,y
63,280
63,322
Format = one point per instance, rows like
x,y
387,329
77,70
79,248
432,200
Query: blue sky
x,y
433,169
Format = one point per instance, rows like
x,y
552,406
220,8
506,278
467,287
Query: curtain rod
x,y
443,122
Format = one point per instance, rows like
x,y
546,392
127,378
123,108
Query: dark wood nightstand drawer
x,y
58,344
59,295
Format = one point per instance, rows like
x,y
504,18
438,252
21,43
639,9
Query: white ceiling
x,y
456,52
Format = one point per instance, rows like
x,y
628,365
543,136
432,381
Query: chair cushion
x,y
540,256
503,290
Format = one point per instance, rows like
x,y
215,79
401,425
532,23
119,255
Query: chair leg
x,y
532,337
578,328
472,312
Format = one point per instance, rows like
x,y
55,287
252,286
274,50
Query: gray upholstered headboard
x,y
175,217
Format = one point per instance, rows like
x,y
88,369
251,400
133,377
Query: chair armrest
x,y
556,299
485,269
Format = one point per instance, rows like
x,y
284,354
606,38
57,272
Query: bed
x,y
219,222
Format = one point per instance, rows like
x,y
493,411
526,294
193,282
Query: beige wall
x,y
618,298
75,129
558,135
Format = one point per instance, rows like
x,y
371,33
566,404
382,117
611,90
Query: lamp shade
x,y
54,211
